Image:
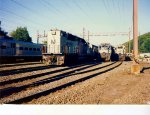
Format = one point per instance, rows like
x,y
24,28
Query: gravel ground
x,y
93,83
42,81
118,86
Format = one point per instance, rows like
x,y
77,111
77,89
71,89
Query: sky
x,y
96,16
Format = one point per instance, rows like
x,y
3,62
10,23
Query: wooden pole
x,y
135,28
135,68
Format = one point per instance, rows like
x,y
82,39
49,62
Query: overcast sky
x,y
97,16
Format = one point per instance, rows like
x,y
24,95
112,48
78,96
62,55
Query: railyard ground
x,y
109,86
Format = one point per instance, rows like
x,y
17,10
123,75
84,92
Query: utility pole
x,y
45,35
83,33
38,37
135,67
88,36
135,28
129,45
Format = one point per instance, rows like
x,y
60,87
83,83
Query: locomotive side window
x,y
3,47
20,48
53,33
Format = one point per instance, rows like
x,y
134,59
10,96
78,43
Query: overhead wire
x,y
57,11
85,13
19,16
123,7
8,20
113,4
105,5
29,9
44,3
51,5
80,8
119,8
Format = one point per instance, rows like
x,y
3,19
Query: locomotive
x,y
65,48
11,50
121,51
107,52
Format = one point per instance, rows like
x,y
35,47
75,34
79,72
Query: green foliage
x,y
44,42
21,34
144,43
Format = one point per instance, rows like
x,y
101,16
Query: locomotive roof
x,y
3,33
70,36
105,44
73,37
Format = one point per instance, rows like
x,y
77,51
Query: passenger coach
x,y
11,49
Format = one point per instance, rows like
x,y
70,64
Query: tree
x,y
147,46
144,43
21,34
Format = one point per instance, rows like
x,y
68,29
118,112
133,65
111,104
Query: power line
x,y
123,7
106,7
27,8
113,4
53,8
47,6
22,17
51,5
80,8
119,9
83,11
109,6
23,6
66,3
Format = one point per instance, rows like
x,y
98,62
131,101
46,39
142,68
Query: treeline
x,y
21,34
144,43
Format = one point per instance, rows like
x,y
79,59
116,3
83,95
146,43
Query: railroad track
x,y
44,84
39,79
19,64
47,71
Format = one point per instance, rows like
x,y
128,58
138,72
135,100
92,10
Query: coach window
x,y
34,49
3,47
38,49
20,48
30,49
26,48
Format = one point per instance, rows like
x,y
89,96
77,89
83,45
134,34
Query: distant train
x,y
121,51
65,48
107,52
62,49
11,50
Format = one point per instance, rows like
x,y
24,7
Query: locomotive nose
x,y
103,53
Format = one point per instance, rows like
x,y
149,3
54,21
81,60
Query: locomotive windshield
x,y
106,47
120,47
